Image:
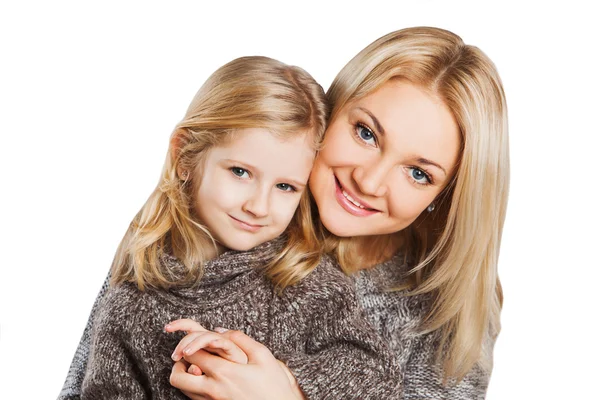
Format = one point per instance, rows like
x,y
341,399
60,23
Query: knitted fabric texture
x,y
397,318
316,327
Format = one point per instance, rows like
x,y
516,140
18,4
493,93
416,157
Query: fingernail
x,y
194,370
167,326
187,351
221,330
174,356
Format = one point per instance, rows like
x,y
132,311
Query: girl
x,y
227,239
412,180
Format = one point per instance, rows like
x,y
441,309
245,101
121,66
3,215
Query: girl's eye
x,y
419,176
239,172
366,135
285,187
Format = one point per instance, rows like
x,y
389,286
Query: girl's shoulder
x,y
120,302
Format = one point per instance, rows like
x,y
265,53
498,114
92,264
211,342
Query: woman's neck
x,y
377,249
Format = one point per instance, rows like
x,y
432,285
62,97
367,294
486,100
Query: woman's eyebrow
x,y
425,161
375,120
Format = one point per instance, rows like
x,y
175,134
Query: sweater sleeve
x,y
71,389
344,358
423,377
111,371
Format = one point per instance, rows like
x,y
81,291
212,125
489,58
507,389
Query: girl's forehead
x,y
268,154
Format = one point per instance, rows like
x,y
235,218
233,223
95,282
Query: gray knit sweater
x,y
316,327
394,316
397,318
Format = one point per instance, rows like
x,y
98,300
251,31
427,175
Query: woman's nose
x,y
370,179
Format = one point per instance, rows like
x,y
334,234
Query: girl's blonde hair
x,y
249,92
455,248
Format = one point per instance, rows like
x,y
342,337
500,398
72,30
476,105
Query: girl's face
x,y
249,189
385,158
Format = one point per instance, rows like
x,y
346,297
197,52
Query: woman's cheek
x,y
406,203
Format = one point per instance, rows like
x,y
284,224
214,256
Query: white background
x,y
89,93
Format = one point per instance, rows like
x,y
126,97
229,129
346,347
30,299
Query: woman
x,y
411,187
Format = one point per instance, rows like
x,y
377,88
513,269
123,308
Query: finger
x,y
255,351
194,370
184,343
214,343
181,380
210,364
185,324
195,341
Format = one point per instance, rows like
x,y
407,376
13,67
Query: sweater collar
x,y
233,263
227,273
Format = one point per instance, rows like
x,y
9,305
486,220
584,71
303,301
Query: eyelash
x,y
428,177
356,129
359,125
292,187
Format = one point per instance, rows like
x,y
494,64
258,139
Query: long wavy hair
x,y
455,248
249,92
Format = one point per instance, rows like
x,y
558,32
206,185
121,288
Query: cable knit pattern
x,y
397,318
316,327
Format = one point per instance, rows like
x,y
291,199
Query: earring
x,y
184,175
431,207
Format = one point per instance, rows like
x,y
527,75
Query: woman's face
x,y
384,159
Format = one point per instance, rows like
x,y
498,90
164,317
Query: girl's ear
x,y
178,141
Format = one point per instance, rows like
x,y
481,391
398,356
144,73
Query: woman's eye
x,y
365,134
419,176
285,187
239,172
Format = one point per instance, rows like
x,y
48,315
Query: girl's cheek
x,y
285,208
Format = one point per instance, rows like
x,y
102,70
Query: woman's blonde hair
x,y
249,92
455,248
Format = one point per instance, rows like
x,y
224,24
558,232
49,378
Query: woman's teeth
x,y
356,203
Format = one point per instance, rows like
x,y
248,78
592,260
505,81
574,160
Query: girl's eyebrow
x,y
376,122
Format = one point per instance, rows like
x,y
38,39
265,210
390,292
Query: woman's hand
x,y
199,338
262,377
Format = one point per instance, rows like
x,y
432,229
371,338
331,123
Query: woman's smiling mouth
x,y
351,204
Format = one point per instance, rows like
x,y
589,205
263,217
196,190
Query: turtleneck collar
x,y
233,272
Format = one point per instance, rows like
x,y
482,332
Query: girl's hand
x,y
263,377
199,338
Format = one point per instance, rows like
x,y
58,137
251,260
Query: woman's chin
x,y
341,227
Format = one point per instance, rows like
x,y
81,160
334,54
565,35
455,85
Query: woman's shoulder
x,y
393,272
385,290
326,280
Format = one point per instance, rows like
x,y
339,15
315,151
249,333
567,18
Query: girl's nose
x,y
258,204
